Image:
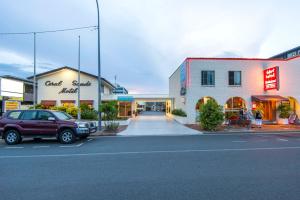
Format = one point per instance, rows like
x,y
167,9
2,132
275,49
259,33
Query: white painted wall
x,y
67,76
252,82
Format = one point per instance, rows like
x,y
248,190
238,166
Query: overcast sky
x,y
143,41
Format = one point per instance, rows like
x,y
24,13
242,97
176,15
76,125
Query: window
x,y
62,115
29,115
208,77
44,115
14,115
235,78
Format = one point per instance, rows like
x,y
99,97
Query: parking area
x,y
155,124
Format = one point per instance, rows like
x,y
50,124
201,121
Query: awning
x,y
126,98
48,103
268,98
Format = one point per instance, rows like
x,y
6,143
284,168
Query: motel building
x,y
60,86
236,83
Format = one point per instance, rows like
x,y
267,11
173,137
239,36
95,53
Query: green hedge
x,y
179,112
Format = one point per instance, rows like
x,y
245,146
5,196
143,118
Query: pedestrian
x,y
241,114
258,119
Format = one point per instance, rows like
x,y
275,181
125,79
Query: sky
x,y
143,41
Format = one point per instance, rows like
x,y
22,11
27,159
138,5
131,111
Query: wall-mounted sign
x,y
67,90
271,78
184,77
11,105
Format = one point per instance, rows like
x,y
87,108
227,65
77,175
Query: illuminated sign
x,y
11,105
271,78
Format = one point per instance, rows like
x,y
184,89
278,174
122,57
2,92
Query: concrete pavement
x,y
155,124
179,167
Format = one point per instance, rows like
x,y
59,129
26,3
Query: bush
x,y
89,114
284,110
111,126
179,112
110,110
211,115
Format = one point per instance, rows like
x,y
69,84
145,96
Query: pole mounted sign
x,y
271,78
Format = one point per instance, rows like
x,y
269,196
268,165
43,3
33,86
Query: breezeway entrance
x,y
156,123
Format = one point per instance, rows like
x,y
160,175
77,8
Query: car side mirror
x,y
51,119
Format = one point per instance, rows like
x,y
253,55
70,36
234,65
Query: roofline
x,y
293,49
17,79
73,69
250,59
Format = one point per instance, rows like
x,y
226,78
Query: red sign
x,y
271,78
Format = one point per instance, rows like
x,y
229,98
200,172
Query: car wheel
x,y
20,140
66,136
12,137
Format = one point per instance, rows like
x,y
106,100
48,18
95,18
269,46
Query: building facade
x,y
60,86
15,93
236,83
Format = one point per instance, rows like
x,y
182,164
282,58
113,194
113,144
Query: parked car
x,y
18,124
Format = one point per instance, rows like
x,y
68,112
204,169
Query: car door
x,y
28,123
46,126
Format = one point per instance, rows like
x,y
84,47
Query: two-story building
x,y
236,83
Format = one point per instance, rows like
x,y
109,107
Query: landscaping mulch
x,y
236,128
110,133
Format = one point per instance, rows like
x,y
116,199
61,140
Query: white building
x,y
60,86
236,83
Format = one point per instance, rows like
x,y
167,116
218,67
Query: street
x,y
237,166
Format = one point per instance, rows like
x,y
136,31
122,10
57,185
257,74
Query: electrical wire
x,y
51,31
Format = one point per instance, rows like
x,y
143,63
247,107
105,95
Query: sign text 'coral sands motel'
x,y
271,78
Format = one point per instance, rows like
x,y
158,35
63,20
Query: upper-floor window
x,y
235,78
208,78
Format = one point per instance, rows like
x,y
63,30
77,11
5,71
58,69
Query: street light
x,y
99,70
78,100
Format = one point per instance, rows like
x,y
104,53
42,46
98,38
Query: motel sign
x,y
271,78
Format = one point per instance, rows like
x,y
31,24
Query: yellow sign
x,y
11,105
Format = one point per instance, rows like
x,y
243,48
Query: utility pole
x,y
99,71
78,100
34,70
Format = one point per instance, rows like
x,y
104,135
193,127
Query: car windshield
x,y
62,115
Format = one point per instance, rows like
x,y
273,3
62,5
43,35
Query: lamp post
x,y
78,100
99,70
34,70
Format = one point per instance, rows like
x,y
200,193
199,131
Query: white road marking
x,y
70,146
239,141
78,145
282,140
13,147
151,152
90,140
37,147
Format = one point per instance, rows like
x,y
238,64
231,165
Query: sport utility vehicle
x,y
16,124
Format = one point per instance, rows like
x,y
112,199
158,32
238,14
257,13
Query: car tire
x,y
66,136
12,137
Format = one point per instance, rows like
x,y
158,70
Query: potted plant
x,y
284,114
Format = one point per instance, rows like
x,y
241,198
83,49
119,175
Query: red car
x,y
18,124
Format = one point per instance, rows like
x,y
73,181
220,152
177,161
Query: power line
x,y
51,31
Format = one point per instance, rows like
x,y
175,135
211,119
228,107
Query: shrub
x,y
211,115
110,110
284,110
111,126
89,114
179,112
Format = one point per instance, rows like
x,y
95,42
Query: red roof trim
x,y
250,59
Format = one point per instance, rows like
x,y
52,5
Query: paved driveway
x,y
155,123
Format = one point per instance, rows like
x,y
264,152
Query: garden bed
x,y
111,133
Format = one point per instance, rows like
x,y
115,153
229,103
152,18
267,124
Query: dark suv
x,y
16,124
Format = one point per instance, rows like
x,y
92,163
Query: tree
x,y
211,115
110,114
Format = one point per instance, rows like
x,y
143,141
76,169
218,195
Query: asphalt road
x,y
162,167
